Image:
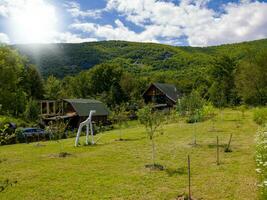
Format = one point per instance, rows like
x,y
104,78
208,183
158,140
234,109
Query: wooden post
x,y
41,103
54,107
218,162
229,143
195,139
47,108
189,178
62,108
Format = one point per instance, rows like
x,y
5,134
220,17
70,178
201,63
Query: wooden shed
x,y
162,95
73,110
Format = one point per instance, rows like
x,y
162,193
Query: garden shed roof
x,y
83,106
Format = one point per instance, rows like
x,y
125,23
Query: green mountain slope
x,y
69,59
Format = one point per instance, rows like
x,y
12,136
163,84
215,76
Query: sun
x,y
33,22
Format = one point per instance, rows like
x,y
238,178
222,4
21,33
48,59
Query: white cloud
x,y
158,19
4,38
192,19
3,10
239,23
75,10
108,32
162,21
68,37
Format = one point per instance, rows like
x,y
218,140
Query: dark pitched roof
x,y
83,106
168,89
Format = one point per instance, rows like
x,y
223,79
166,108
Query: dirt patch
x,y
130,139
60,155
64,154
186,197
228,150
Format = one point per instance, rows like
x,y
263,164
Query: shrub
x,y
196,117
32,110
260,116
7,136
208,111
243,109
57,129
19,136
191,106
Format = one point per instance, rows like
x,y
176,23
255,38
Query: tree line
x,y
225,81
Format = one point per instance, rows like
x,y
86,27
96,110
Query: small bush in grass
x,y
243,109
208,111
260,116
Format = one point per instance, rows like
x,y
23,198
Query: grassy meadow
x,y
115,169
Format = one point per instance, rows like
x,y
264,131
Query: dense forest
x,y
117,72
69,59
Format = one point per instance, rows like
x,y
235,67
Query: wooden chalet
x,y
162,95
73,110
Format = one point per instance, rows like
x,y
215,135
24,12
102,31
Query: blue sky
x,y
175,22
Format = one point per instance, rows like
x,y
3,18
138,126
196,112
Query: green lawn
x,y
115,169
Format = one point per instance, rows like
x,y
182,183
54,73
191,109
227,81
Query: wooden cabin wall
x,y
160,97
154,95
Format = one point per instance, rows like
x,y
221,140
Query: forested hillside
x,y
118,72
69,59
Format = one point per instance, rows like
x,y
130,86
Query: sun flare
x,y
34,22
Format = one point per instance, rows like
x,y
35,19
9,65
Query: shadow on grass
x,y
2,160
130,139
211,146
177,171
192,144
155,167
233,120
215,130
6,183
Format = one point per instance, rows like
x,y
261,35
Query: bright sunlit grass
x,y
115,169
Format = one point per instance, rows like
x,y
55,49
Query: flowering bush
x,y
261,159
